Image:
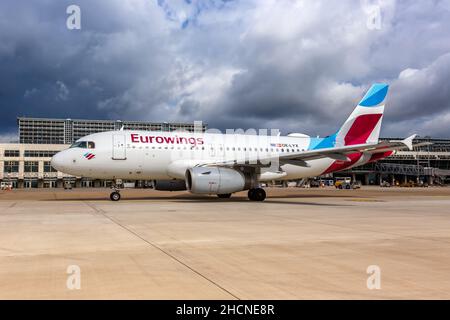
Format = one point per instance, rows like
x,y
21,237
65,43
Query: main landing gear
x,y
256,194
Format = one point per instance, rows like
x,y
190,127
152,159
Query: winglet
x,y
409,141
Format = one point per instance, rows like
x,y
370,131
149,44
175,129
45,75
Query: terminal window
x,y
12,153
31,166
39,153
48,167
11,166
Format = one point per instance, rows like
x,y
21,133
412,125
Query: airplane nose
x,y
57,161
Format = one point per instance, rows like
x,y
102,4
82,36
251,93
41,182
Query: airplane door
x,y
119,148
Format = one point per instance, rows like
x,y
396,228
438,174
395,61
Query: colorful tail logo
x,y
89,155
363,125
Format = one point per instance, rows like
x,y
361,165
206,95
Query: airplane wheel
x,y
257,194
224,196
114,196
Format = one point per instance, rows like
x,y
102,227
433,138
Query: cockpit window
x,y
84,145
79,144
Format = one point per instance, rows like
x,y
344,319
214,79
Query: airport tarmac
x,y
298,244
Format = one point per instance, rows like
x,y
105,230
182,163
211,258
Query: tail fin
x,y
363,125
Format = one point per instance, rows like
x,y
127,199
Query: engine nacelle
x,y
218,180
169,185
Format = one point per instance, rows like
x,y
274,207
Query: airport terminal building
x,y
428,164
26,164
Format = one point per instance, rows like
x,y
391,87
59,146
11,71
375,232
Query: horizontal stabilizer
x,y
409,141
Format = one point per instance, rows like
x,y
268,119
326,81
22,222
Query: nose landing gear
x,y
115,196
256,194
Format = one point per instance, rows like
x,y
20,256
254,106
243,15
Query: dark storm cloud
x,y
291,65
48,70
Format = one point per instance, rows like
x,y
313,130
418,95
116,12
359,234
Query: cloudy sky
x,y
294,65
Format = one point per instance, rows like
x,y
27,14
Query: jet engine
x,y
218,180
169,185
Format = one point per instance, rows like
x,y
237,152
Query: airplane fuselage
x,y
144,155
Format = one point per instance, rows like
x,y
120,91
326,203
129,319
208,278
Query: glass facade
x,y
67,131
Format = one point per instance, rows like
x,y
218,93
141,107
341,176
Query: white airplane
x,y
221,164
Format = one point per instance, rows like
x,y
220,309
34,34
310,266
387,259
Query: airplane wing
x,y
337,153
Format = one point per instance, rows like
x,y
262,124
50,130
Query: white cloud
x,y
30,92
9,138
62,91
407,73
